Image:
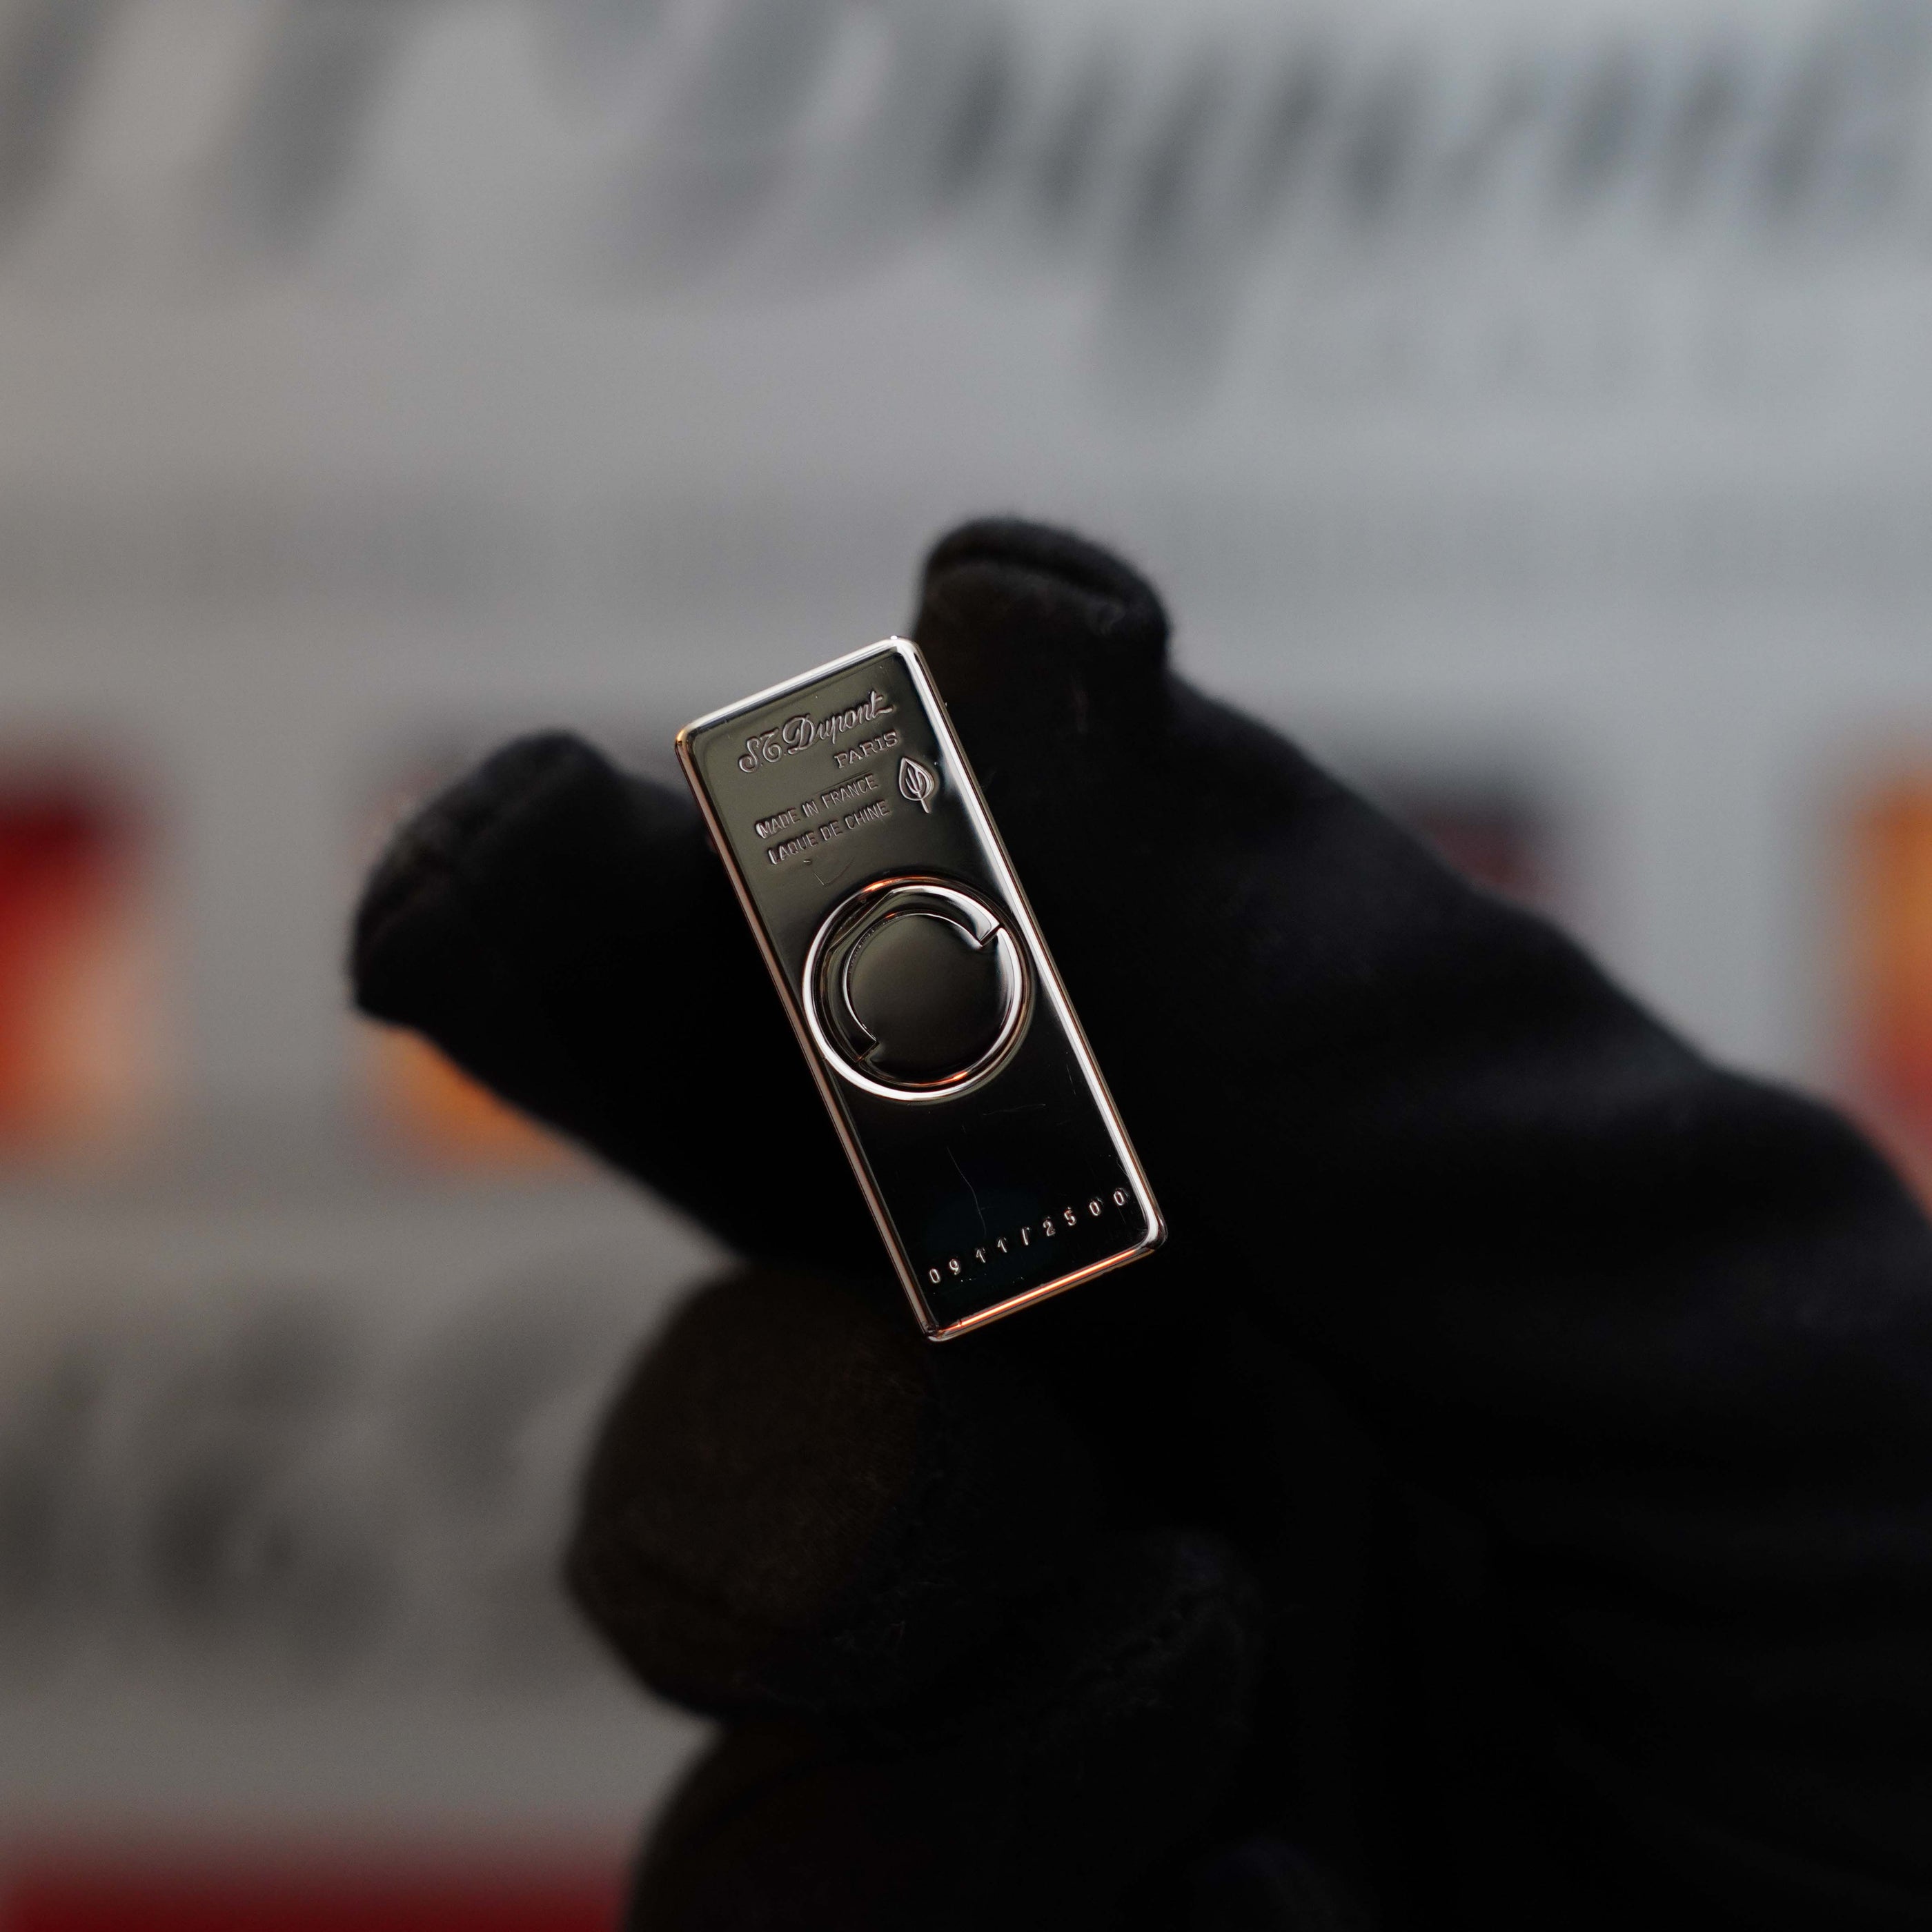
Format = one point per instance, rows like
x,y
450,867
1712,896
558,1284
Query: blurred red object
x,y
312,1896
78,1045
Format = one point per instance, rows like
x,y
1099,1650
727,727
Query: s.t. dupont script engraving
x,y
801,732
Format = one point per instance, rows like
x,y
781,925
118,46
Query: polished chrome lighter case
x,y
930,1011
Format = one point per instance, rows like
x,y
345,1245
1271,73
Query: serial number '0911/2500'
x,y
1024,1236
801,732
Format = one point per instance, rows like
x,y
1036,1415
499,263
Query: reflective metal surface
x,y
957,1008
956,1074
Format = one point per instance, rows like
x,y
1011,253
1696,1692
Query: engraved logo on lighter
x,y
916,783
994,1162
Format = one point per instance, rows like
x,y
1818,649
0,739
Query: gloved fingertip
x,y
796,1503
739,1477
402,921
1001,596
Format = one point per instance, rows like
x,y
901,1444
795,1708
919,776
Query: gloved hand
x,y
1507,1501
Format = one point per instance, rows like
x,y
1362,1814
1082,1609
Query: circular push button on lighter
x,y
915,989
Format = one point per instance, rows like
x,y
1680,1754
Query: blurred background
x,y
1526,406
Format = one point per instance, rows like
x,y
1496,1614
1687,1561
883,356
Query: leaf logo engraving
x,y
917,783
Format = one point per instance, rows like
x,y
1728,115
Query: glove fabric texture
x,y
1506,1501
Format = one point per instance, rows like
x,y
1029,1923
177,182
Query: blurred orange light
x,y
437,1111
1889,930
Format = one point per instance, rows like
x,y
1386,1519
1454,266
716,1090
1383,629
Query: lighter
x,y
932,1015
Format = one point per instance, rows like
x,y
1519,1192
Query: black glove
x,y
1507,1501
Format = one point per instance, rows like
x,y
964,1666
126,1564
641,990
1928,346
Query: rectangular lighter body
x,y
929,1010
